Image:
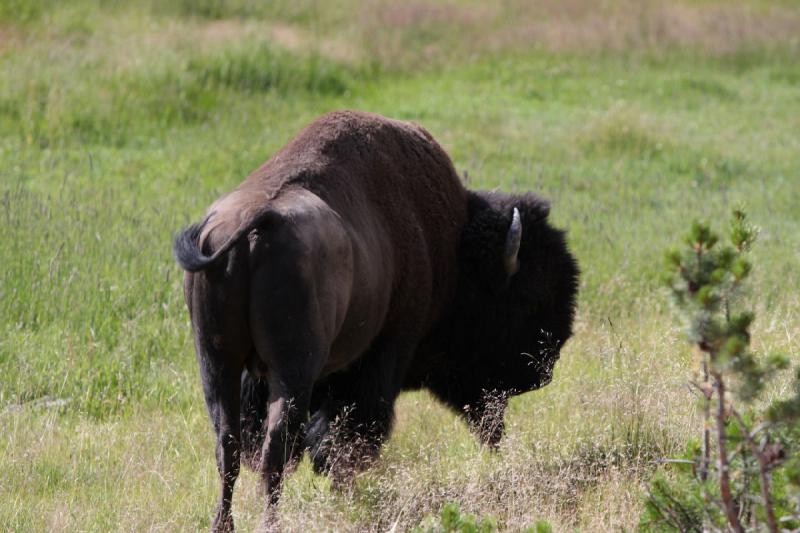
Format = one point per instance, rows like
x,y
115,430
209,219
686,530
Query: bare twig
x,y
707,393
763,470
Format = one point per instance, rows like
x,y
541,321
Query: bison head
x,y
514,305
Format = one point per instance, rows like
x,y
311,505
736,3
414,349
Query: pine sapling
x,y
740,451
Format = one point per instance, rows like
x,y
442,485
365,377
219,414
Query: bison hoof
x,y
270,521
223,523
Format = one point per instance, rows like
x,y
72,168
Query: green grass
x,y
120,124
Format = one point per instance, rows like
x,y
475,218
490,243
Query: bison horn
x,y
513,239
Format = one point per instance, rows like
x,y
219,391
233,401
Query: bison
x,y
351,266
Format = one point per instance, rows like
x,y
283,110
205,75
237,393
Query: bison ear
x,y
513,239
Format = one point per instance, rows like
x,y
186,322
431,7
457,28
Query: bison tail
x,y
186,248
189,251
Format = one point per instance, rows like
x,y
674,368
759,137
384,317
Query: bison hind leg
x,y
254,406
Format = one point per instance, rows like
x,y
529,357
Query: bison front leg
x,y
486,417
342,442
346,434
355,419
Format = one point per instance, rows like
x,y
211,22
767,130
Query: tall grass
x,y
121,122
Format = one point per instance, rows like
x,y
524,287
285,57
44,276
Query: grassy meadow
x,y
120,122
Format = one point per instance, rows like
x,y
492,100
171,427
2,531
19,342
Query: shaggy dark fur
x,y
503,335
349,267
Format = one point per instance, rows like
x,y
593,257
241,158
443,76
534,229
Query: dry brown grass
x,y
714,28
576,453
400,33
